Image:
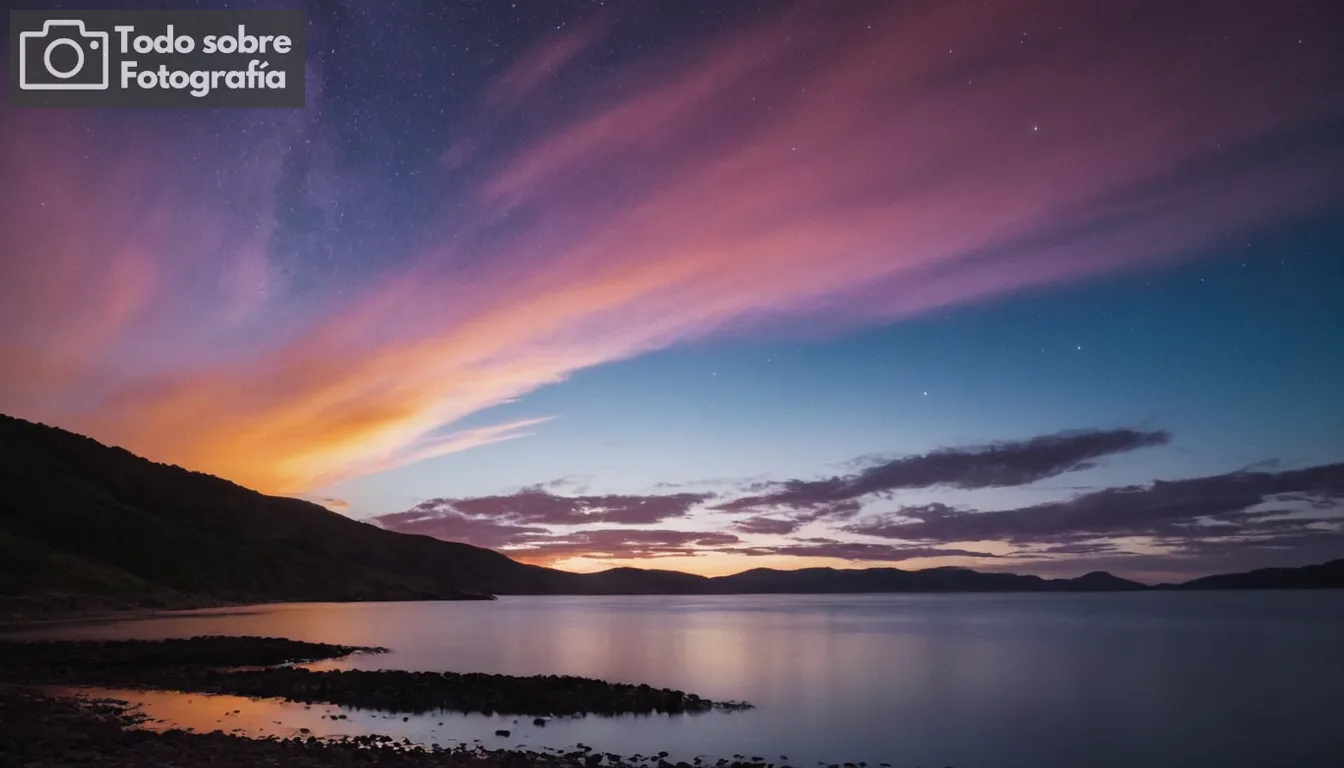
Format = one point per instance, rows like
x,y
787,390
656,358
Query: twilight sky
x,y
1030,285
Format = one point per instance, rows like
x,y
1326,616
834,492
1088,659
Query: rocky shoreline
x,y
252,666
39,728
99,661
38,731
401,691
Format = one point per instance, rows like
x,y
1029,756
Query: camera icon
x,y
64,56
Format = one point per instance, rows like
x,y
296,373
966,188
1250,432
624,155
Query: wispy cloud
x,y
533,524
768,525
540,506
999,465
545,61
454,526
866,175
619,544
1241,517
427,447
857,551
1240,509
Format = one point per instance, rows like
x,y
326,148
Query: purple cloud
x,y
764,524
537,506
858,551
510,520
1250,515
618,543
451,525
998,465
1239,509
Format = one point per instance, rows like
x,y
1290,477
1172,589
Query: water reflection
x,y
1229,679
262,718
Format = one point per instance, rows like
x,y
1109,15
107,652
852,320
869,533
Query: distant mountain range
x,y
1324,576
85,526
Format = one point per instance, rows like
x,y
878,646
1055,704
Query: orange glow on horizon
x,y
718,564
755,180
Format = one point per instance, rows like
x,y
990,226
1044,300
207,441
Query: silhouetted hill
x,y
638,581
832,580
1325,576
83,525
1101,581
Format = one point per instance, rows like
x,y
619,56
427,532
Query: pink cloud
x,y
839,170
544,62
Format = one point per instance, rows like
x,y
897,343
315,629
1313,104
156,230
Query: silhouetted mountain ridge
x,y
1328,575
86,525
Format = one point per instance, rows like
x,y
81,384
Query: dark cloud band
x,y
998,465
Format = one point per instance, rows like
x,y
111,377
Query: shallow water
x,y
1214,678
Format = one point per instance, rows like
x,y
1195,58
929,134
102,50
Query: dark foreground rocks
x,y
401,691
246,666
38,731
74,661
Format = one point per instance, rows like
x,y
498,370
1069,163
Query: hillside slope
x,y
1325,576
79,518
83,525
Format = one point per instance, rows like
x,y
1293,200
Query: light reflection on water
x,y
201,713
1229,679
204,713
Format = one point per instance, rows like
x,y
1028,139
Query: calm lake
x,y
1191,679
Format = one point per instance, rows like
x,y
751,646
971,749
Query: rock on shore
x,y
39,731
245,666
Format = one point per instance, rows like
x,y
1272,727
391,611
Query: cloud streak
x,y
525,524
539,506
1239,518
620,544
543,63
856,551
999,465
1236,510
846,168
1245,518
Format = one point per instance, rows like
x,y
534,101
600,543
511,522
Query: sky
x,y
1037,286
